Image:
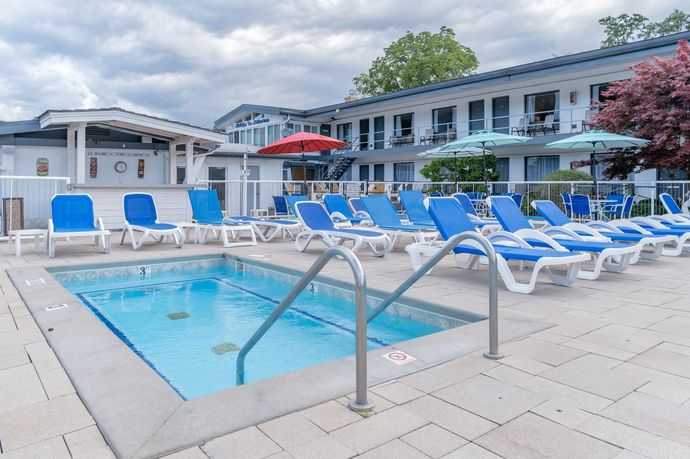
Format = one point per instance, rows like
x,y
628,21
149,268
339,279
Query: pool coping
x,y
140,415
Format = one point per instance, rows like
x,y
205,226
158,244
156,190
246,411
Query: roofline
x,y
268,109
113,114
19,127
507,72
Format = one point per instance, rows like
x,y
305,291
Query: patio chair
x,y
337,206
614,207
280,206
319,225
292,199
549,124
359,209
208,217
471,212
520,129
606,255
581,208
603,231
451,219
436,194
387,220
567,203
73,216
140,215
413,203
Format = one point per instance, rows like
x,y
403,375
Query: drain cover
x,y
178,315
223,348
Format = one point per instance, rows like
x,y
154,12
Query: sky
x,y
195,60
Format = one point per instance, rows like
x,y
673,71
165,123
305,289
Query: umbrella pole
x,y
486,177
455,167
594,174
304,173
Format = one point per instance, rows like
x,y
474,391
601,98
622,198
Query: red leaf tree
x,y
653,105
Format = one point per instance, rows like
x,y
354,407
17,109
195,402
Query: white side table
x,y
188,227
40,239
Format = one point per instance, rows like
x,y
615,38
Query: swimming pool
x,y
188,319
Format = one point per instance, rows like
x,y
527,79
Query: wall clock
x,y
120,167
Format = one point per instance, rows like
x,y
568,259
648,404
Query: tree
x,y
655,105
626,28
469,169
415,60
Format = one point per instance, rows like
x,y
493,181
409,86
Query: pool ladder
x,y
361,402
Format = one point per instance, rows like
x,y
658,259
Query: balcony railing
x,y
572,120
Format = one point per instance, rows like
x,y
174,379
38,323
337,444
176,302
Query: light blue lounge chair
x,y
319,225
73,216
292,199
387,220
280,206
603,231
208,217
140,215
451,219
358,207
413,202
609,256
337,206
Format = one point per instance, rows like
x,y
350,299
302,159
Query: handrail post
x,y
453,242
361,402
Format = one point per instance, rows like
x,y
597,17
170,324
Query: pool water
x,y
188,320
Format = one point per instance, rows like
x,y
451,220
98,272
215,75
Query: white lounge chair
x,y
73,216
140,215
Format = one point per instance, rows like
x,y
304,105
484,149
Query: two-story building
x,y
546,100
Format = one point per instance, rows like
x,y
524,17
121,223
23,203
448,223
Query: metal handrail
x,y
360,403
493,285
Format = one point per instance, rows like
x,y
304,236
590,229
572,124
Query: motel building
x,y
546,100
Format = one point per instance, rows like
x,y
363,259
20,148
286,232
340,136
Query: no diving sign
x,y
398,357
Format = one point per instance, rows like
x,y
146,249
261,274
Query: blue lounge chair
x,y
436,194
358,207
471,212
451,219
280,206
208,217
140,214
337,206
603,231
267,230
413,202
673,209
387,220
650,226
319,225
609,256
292,199
72,216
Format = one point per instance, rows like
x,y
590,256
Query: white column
x,y
172,154
71,152
80,160
189,161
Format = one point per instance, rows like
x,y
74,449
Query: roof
x,y
132,120
18,127
553,64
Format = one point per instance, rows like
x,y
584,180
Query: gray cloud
x,y
194,61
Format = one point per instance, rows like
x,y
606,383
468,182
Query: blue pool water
x,y
188,320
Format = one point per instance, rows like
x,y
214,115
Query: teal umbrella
x,y
594,139
484,139
442,152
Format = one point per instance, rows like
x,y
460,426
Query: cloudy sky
x,y
195,60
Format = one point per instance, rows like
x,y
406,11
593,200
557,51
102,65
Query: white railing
x,y
25,200
259,194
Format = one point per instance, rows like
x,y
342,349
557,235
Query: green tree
x,y
626,28
415,60
469,169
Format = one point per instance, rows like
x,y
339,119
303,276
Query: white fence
x,y
25,200
259,194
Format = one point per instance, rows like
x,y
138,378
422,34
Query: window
x,y
403,124
218,173
180,175
500,110
364,172
379,172
597,90
364,134
537,167
273,133
344,132
310,128
476,115
443,119
260,136
539,106
236,137
379,135
503,170
403,172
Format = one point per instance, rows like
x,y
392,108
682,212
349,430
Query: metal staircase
x,y
339,162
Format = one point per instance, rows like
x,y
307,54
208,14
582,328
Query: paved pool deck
x,y
608,377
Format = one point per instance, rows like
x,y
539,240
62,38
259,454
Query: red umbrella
x,y
302,142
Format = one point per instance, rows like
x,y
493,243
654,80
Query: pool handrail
x,y
361,402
